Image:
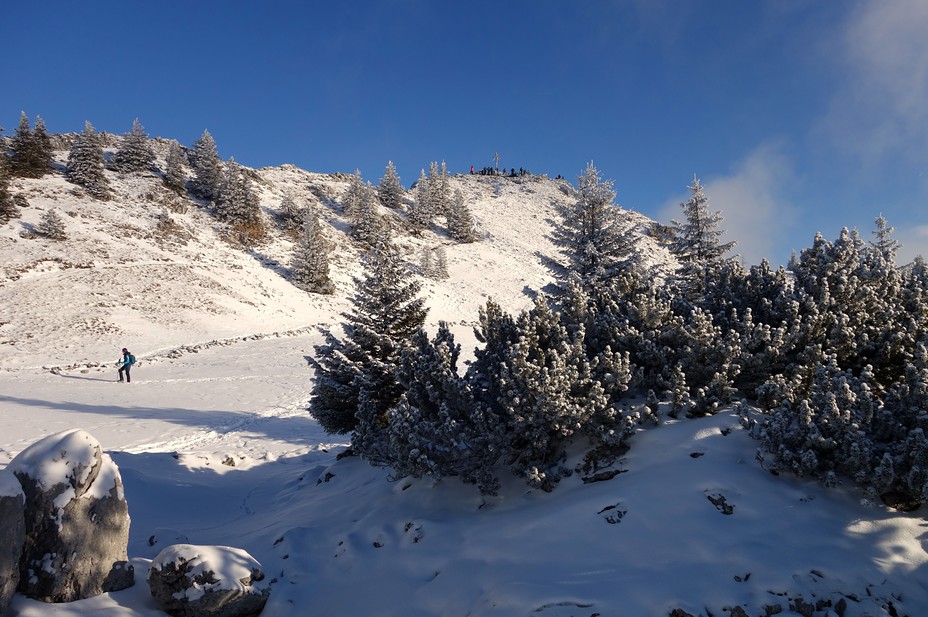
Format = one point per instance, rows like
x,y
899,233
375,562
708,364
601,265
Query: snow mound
x,y
70,458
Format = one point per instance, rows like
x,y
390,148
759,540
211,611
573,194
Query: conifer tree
x,y
292,217
885,243
21,148
86,165
390,191
434,262
437,428
354,196
135,153
207,169
52,225
30,150
362,366
8,208
697,241
422,211
175,175
441,263
367,226
460,220
591,233
311,257
444,190
43,147
238,203
427,262
439,189
546,392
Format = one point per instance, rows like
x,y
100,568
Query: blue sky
x,y
797,116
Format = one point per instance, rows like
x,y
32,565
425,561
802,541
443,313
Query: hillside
x,y
125,277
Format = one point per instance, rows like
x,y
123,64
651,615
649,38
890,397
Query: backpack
x,y
131,359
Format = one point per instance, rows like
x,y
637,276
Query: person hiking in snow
x,y
125,364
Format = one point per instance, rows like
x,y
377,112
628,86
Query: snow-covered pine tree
x,y
21,146
548,394
238,203
427,262
135,153
422,211
679,392
354,196
43,147
367,225
52,225
917,273
30,150
311,257
8,208
390,191
175,174
766,316
291,215
434,262
885,243
697,242
441,263
385,313
600,315
439,189
591,233
86,165
207,178
460,220
848,304
437,429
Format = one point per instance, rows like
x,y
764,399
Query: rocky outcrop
x,y
207,581
76,519
12,535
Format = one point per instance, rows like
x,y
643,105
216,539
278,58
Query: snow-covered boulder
x,y
207,581
12,535
77,519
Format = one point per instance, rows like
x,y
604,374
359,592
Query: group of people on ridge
x,y
493,171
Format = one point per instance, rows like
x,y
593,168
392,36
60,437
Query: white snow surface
x,y
229,566
215,447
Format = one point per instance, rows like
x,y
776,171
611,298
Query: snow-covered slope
x,y
215,446
127,277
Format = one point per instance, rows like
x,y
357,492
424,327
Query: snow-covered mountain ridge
x,y
152,270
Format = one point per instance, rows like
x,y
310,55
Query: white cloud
x,y
752,204
881,108
914,242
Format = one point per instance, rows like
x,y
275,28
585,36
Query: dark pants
x,y
124,369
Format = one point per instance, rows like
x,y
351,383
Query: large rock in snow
x,y
207,581
12,535
77,519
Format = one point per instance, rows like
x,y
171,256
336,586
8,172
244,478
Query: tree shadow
x,y
282,270
298,430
